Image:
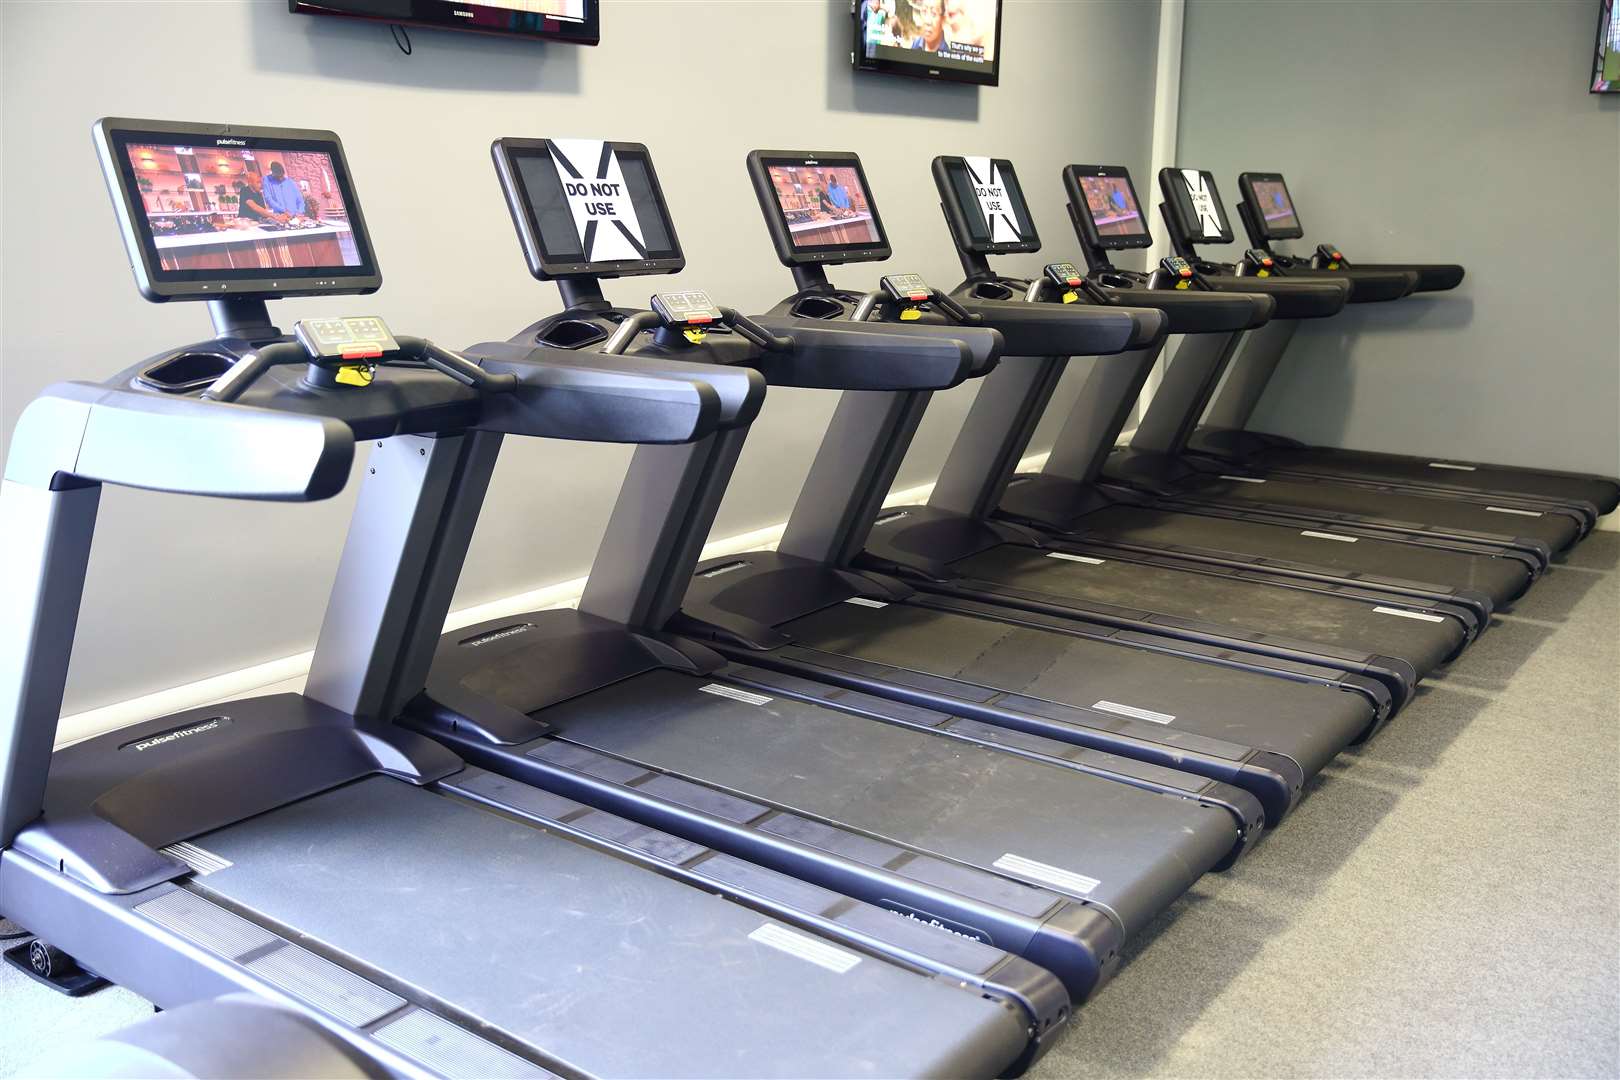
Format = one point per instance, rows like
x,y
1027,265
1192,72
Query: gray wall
x,y
181,589
1455,132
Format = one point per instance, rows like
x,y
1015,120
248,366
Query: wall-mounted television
x,y
944,40
576,21
1606,63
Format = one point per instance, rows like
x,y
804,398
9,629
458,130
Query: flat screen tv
x,y
576,21
1606,62
944,40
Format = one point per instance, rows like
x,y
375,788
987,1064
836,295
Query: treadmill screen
x,y
210,209
1274,205
220,208
1105,208
987,203
1112,206
825,206
1195,206
585,206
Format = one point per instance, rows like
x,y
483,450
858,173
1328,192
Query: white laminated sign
x,y
991,191
599,200
1203,202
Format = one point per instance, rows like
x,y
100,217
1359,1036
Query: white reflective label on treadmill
x,y
1511,510
1327,536
861,601
1447,465
805,947
1132,710
200,861
1073,558
734,694
1067,880
1409,614
1243,479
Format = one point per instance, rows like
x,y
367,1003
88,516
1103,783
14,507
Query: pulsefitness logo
x,y
497,635
152,742
230,142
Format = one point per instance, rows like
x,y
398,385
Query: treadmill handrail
x,y
189,446
875,356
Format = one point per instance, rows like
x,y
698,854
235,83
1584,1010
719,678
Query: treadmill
x,y
1111,678
1055,857
1194,215
433,918
1071,494
1270,216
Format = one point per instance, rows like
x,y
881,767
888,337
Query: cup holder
x,y
992,290
816,307
571,334
184,372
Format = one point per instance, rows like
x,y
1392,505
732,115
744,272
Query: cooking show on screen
x,y
235,209
823,206
1113,210
1275,206
955,32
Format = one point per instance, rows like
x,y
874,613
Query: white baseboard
x,y
287,673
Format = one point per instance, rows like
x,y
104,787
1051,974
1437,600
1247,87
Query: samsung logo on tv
x,y
461,14
230,142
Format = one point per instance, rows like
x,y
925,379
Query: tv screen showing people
x,y
1273,204
577,21
1606,63
229,208
1112,206
947,39
824,206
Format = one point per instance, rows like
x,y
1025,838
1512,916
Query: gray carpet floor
x,y
1444,902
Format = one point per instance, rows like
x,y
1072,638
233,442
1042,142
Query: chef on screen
x,y
282,193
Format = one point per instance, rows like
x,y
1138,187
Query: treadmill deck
x,y
563,947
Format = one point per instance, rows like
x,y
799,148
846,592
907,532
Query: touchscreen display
x,y
824,207
1196,205
212,210
1272,201
1112,206
992,202
592,203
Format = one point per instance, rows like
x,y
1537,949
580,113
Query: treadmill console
x,y
1330,256
1178,269
1259,262
1065,274
346,339
907,288
687,310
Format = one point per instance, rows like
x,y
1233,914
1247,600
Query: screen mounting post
x,y
241,317
1097,259
1251,225
810,277
975,265
1178,243
581,291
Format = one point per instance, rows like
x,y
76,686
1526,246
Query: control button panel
x,y
909,287
1064,273
363,337
690,308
